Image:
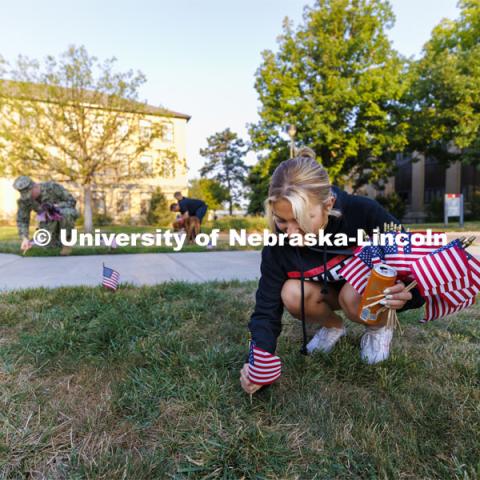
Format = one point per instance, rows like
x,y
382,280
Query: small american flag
x,y
357,270
263,367
110,278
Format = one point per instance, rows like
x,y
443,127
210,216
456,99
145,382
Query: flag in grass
x,y
263,367
110,278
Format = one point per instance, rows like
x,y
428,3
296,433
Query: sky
x,y
199,57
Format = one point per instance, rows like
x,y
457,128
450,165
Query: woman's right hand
x,y
246,384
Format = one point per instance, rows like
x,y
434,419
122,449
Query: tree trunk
x,y
230,200
87,208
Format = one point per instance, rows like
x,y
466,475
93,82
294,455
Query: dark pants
x,y
200,213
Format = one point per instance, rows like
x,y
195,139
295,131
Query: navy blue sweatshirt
x,y
280,263
190,205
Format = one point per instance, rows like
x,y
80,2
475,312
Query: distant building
x,y
128,199
424,180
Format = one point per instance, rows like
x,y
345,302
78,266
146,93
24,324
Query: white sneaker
x,y
375,344
325,339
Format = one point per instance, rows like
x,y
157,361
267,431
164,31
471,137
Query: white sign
x,y
453,207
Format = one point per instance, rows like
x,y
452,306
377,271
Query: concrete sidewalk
x,y
18,272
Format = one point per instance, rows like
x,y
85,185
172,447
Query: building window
x,y
144,204
146,162
123,128
99,203
123,202
108,172
123,167
166,163
403,177
145,127
167,132
28,120
470,181
97,129
435,175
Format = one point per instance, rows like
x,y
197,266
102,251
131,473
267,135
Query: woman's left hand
x,y
396,297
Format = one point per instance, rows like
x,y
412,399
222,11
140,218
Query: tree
x,y
445,94
159,211
225,152
259,177
210,191
338,79
77,120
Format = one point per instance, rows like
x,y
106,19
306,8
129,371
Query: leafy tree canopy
x,y
338,79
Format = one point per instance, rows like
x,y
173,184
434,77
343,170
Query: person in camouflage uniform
x,y
54,205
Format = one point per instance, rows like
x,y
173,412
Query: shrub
x,y
435,211
132,221
102,219
249,223
159,211
5,222
474,207
99,220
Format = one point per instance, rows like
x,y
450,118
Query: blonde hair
x,y
304,183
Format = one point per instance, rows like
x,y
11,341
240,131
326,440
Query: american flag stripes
x,y
401,257
263,367
437,307
474,265
447,277
357,270
110,278
443,270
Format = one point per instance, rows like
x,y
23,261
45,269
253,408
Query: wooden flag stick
x,y
374,297
373,303
469,241
410,286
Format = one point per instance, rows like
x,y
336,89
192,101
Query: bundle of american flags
x,y
263,367
447,277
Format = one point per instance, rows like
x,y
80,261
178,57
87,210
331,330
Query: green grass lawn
x,y
473,226
143,384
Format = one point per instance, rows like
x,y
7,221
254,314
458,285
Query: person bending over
x,y
191,207
301,200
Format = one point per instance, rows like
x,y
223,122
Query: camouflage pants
x,y
67,223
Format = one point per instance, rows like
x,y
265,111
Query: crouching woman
x,y
305,279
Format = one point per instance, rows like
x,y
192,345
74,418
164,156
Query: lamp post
x,y
292,130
